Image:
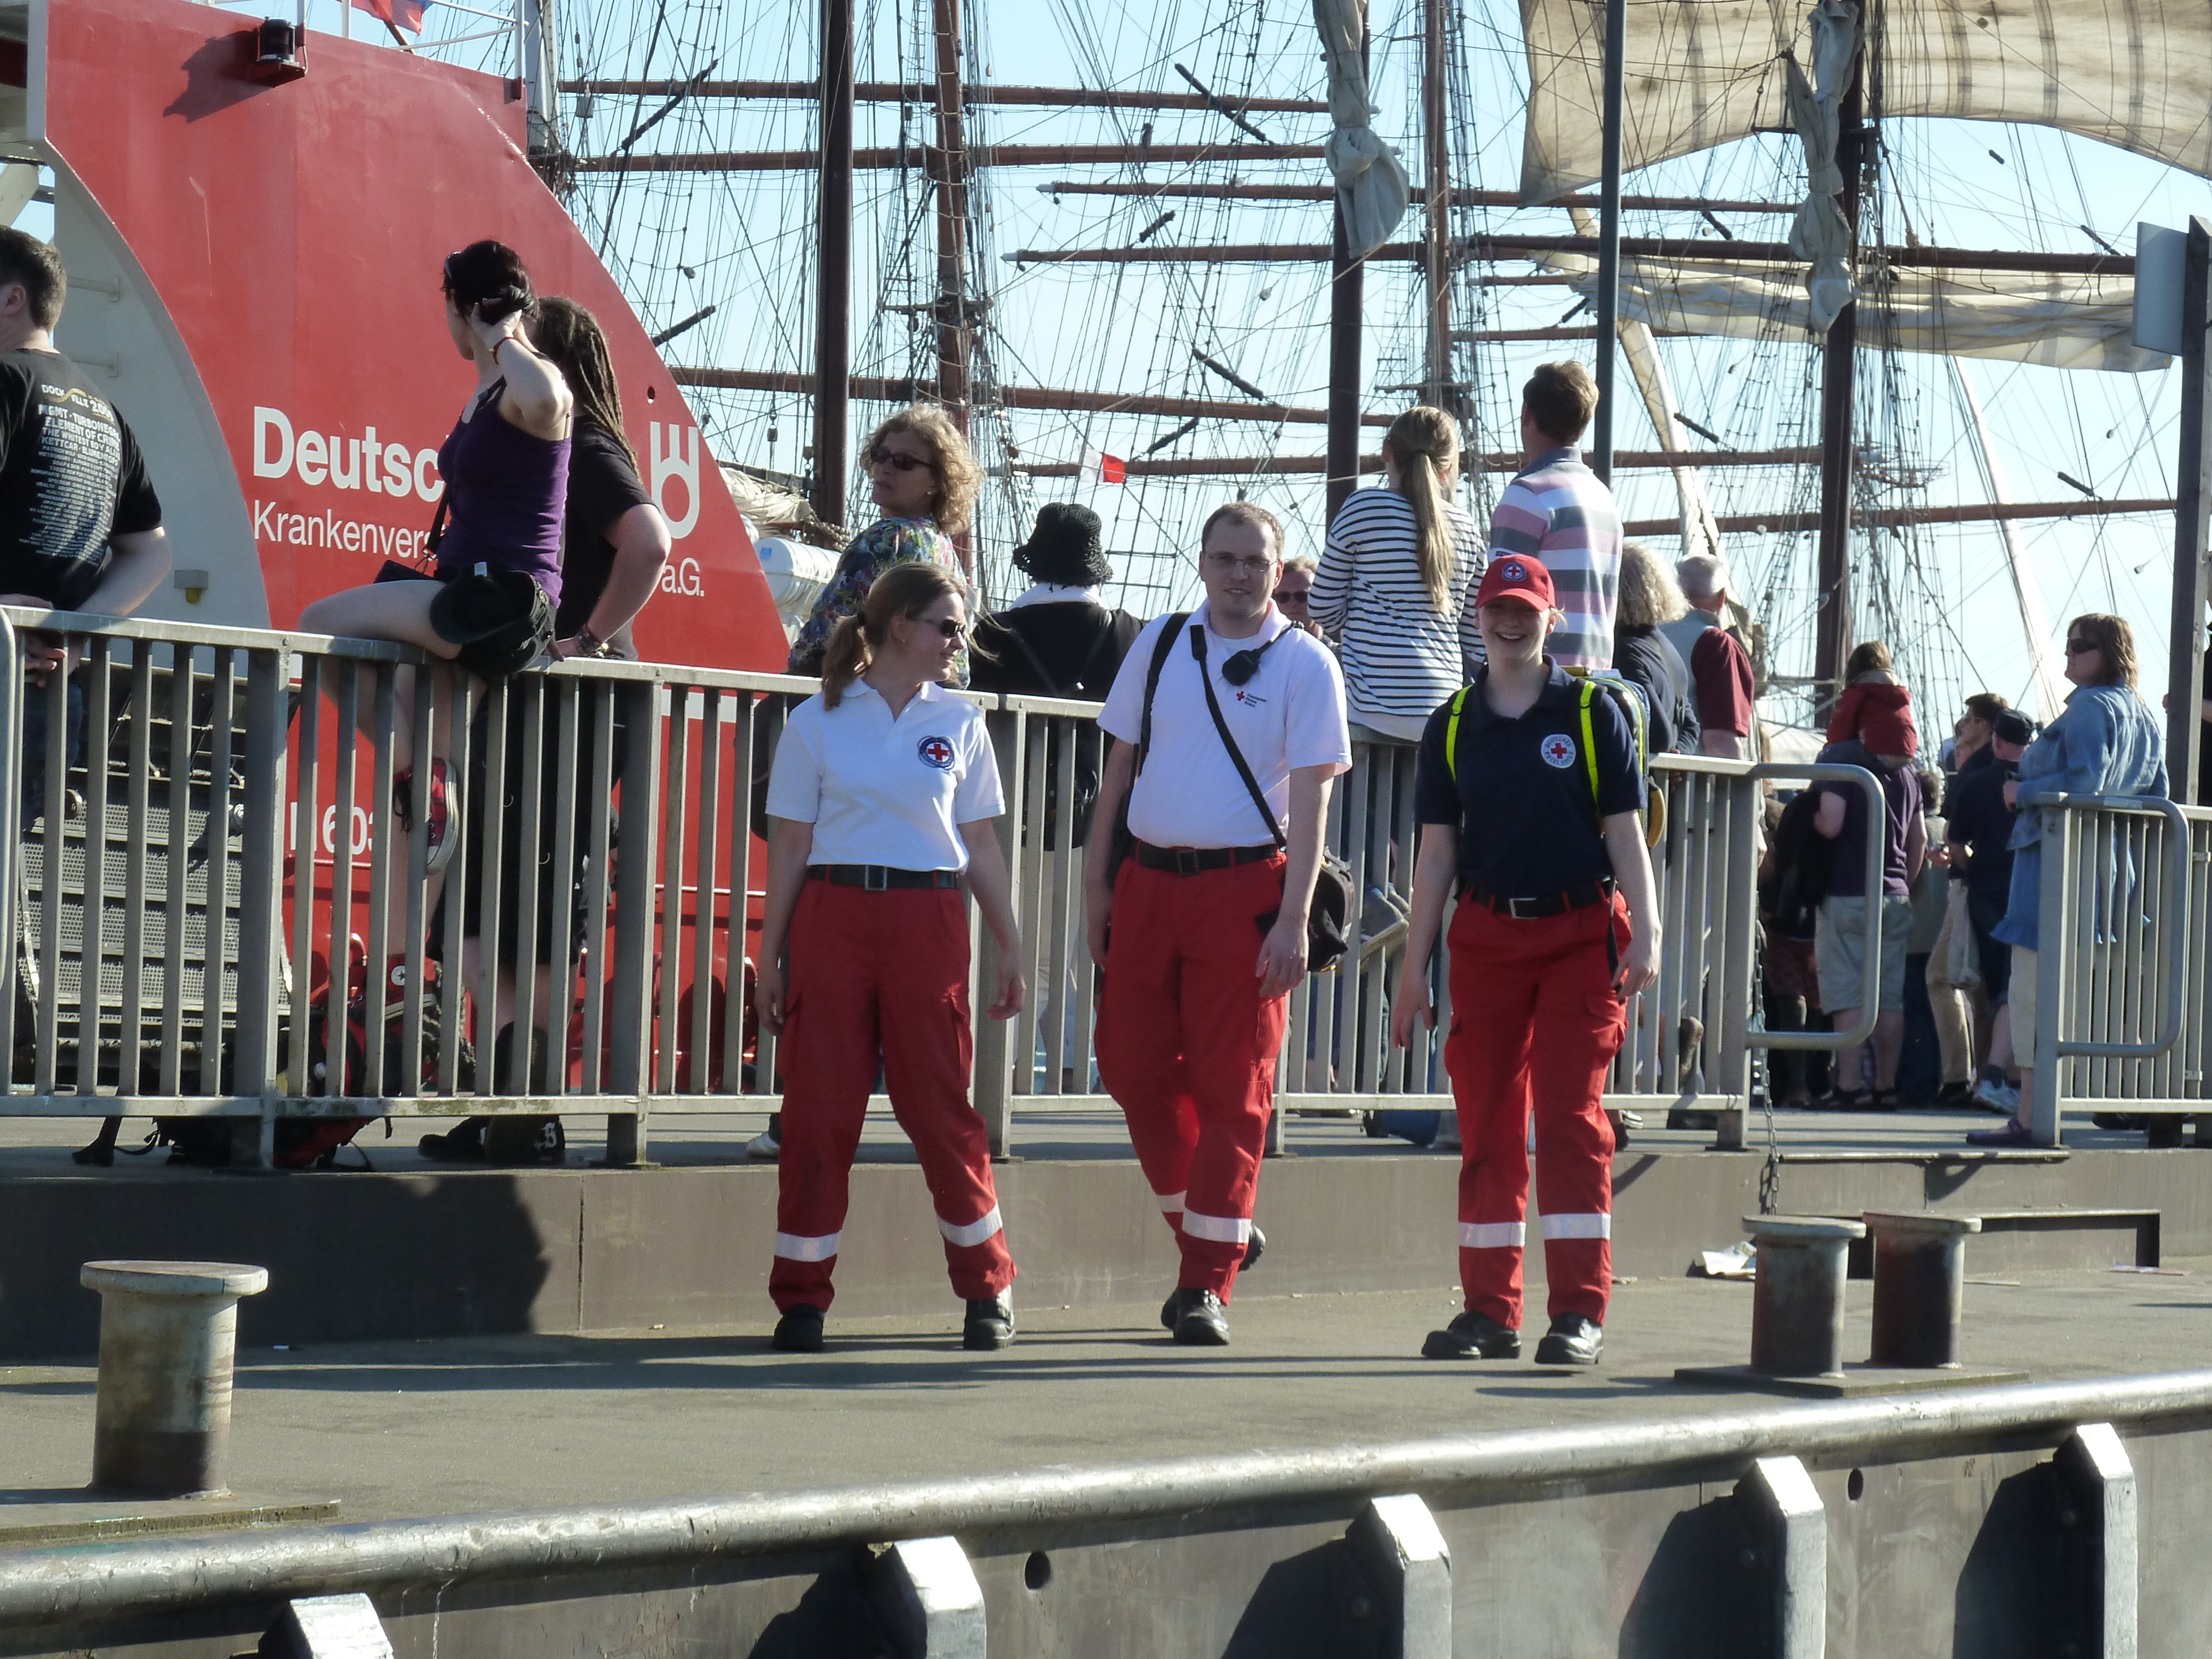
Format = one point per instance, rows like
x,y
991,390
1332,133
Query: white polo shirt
x,y
1287,715
879,790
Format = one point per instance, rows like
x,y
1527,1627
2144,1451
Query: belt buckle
x,y
875,877
1186,861
1520,915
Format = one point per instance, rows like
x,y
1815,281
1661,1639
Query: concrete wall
x,y
358,1257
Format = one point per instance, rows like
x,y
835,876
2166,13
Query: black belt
x,y
1190,860
877,877
1580,896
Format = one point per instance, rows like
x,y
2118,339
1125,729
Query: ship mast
x,y
1437,390
952,164
833,316
1347,293
1832,623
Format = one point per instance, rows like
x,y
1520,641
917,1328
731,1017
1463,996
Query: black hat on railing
x,y
1063,549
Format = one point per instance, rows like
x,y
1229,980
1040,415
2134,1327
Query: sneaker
x,y
764,1147
437,813
1997,1095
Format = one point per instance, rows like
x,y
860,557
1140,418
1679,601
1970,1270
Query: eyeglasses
x,y
2080,647
1293,595
1228,564
945,625
896,461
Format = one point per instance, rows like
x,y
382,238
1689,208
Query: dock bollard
x,y
1919,1285
1797,1304
168,1333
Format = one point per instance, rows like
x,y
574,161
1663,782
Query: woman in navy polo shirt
x,y
881,795
1527,793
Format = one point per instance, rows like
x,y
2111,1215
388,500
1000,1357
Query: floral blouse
x,y
884,543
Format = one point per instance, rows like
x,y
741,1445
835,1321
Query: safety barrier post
x,y
2054,976
1737,930
1402,1551
2101,1515
636,861
261,892
925,1593
995,1047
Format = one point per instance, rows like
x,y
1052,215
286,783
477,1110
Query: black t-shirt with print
x,y
70,477
1527,814
603,485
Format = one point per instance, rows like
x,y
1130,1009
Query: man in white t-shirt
x,y
1203,932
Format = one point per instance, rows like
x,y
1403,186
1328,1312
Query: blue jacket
x,y
2105,742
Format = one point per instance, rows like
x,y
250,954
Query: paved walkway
x,y
423,1428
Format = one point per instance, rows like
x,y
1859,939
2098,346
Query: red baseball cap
x,y
1511,577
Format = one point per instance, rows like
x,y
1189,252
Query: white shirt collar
x,y
1057,593
931,691
1272,625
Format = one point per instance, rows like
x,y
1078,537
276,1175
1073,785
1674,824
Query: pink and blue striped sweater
x,y
1559,513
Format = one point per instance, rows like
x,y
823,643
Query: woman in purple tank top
x,y
506,472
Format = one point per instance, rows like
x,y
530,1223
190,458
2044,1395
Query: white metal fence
x,y
252,880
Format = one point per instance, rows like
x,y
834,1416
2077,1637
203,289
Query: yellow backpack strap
x,y
1451,734
1589,748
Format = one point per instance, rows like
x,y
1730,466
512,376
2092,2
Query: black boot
x,y
1573,1340
1472,1336
1200,1322
799,1330
990,1322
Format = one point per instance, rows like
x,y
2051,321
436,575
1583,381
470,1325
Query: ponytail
x,y
1425,443
906,589
845,660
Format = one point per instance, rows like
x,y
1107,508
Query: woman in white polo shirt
x,y
881,796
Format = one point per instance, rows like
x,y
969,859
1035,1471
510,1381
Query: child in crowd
x,y
1875,707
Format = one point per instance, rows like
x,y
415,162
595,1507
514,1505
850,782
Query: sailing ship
x,y
1216,255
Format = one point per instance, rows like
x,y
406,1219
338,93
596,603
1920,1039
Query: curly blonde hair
x,y
1649,596
958,478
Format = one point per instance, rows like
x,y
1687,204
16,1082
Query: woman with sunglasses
x,y
880,802
2106,742
921,475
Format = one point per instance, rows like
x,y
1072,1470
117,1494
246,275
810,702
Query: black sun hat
x,y
1063,548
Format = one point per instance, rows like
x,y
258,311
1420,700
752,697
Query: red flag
x,y
1103,468
407,14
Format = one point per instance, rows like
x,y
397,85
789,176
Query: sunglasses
x,y
2080,647
945,625
898,463
1295,595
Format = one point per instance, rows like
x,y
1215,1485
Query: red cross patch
x,y
1558,750
937,752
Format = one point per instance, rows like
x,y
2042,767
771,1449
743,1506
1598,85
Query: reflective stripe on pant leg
x,y
1488,1065
1579,1025
1232,1039
830,1045
928,1056
1138,1037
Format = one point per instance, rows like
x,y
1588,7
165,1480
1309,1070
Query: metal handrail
x,y
1870,972
2177,900
163,1576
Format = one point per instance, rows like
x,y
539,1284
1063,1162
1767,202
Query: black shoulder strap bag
x,y
1327,931
1123,843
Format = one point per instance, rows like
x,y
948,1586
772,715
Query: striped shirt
x,y
1559,514
1402,657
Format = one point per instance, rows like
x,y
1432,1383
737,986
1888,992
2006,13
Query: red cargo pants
x,y
1535,1024
880,976
1188,1047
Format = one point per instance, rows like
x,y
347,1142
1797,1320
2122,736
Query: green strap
x,y
1451,734
1589,748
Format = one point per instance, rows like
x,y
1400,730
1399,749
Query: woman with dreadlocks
x,y
614,543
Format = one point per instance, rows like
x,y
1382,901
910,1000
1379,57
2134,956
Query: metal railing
x,y
1896,1567
221,875
2124,1002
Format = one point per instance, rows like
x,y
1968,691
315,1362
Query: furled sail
x,y
2135,73
1369,175
2057,321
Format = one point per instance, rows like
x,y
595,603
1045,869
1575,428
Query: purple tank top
x,y
505,488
